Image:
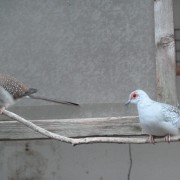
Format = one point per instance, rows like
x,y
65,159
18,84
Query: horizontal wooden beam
x,y
107,126
87,140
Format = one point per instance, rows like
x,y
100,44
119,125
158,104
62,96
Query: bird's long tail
x,y
52,100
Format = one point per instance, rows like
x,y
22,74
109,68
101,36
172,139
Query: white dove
x,y
156,119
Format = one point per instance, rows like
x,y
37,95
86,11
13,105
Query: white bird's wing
x,y
171,114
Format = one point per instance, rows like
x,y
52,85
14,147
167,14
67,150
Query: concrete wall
x,y
84,51
46,160
88,52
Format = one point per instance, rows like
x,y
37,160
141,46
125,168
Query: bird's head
x,y
136,96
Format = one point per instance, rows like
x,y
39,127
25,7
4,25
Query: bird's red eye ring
x,y
134,95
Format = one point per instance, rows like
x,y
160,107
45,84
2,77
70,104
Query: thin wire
x,y
130,163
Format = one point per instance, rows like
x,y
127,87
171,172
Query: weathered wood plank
x,y
165,51
106,126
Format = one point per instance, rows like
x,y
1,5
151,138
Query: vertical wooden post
x,y
165,51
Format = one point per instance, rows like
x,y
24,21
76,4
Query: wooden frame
x,y
165,51
80,127
119,126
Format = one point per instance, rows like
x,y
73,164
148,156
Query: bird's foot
x,y
151,139
167,138
2,109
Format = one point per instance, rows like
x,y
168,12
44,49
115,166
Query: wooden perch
x,y
86,140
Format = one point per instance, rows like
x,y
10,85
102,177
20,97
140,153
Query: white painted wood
x,y
165,51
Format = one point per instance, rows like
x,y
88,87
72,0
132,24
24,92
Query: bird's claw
x,y
151,139
167,138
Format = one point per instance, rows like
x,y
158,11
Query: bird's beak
x,y
127,103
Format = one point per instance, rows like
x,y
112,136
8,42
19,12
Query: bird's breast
x,y
149,113
150,119
6,98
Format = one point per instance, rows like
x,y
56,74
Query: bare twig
x,y
87,140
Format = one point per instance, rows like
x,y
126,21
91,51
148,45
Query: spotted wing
x,y
16,88
171,114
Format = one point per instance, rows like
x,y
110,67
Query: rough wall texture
x,y
84,51
45,160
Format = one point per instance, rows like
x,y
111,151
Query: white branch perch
x,y
88,140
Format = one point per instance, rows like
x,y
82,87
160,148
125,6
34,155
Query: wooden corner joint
x,y
168,40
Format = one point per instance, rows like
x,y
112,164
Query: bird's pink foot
x,y
2,109
151,139
167,138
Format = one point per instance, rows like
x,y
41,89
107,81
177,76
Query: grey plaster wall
x,y
84,51
46,160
